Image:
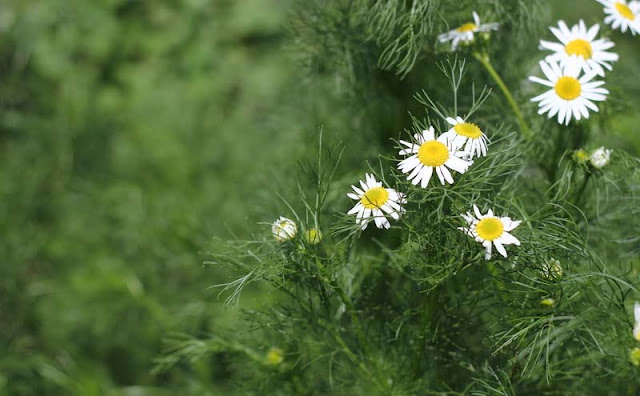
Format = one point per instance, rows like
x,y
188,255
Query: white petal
x,y
457,164
500,248
508,239
426,173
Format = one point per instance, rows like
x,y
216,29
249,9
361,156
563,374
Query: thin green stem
x,y
484,60
354,318
352,356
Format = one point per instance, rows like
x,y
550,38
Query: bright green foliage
x,y
133,131
120,157
417,309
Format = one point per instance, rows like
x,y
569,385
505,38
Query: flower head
x,y
580,156
284,229
490,230
467,135
313,236
428,154
465,32
571,95
377,201
622,14
578,45
600,157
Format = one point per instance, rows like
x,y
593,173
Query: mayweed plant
x,y
504,255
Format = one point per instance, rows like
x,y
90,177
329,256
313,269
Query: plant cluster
x,y
413,306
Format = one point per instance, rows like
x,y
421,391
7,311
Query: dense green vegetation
x,y
132,132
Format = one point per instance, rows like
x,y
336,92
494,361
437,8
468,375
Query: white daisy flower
x,y
489,229
600,157
622,14
284,229
467,135
578,44
636,317
571,95
429,154
377,201
464,33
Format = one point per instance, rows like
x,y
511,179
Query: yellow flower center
x,y
489,228
579,47
568,88
375,198
625,11
469,130
433,153
467,27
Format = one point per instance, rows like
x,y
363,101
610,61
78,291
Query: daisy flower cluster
x,y
579,60
573,73
450,153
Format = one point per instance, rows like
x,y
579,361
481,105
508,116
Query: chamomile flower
x,y
636,318
578,44
465,32
600,157
429,154
622,14
490,230
284,229
467,135
571,95
377,201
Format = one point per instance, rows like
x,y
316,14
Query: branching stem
x,y
484,60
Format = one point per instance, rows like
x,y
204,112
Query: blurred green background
x,y
132,132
